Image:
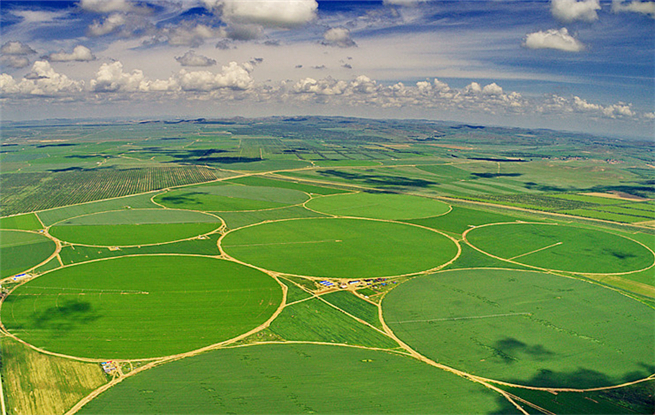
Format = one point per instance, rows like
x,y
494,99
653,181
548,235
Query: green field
x,y
341,248
562,247
20,251
379,206
134,227
27,222
228,198
139,307
295,379
525,327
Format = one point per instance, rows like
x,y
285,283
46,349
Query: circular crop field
x,y
379,206
340,248
20,251
134,227
525,327
297,379
224,198
561,247
139,307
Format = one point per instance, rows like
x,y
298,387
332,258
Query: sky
x,y
578,65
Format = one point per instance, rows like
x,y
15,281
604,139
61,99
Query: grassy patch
x,y
313,320
356,306
140,306
525,327
35,383
295,293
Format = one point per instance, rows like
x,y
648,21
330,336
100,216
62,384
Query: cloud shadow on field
x,y
511,346
379,180
65,316
183,199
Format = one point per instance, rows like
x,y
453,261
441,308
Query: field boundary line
x,y
462,318
536,250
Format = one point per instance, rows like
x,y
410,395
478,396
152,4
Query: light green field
x,y
139,307
562,247
134,227
230,198
341,248
295,379
379,206
26,222
303,187
525,327
20,251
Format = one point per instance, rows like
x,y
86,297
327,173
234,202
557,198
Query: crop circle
x,y
139,307
524,327
340,248
561,247
134,227
225,198
379,206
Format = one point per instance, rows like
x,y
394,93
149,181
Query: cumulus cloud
x,y
80,54
192,59
15,61
14,47
111,78
553,39
110,24
245,31
338,36
568,11
41,81
280,13
111,6
233,76
634,6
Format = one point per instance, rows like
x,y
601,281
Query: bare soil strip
x,y
537,250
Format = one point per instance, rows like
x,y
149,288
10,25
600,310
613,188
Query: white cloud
x,y
191,35
191,59
338,36
635,6
280,13
111,78
111,23
111,6
14,47
41,81
80,54
568,11
15,61
233,76
492,89
553,39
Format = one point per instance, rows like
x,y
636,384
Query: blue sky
x,y
585,65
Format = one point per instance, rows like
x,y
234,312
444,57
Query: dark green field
x,y
20,251
297,379
525,327
379,206
139,307
341,248
562,247
230,198
135,227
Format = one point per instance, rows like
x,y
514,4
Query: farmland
x,y
328,265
